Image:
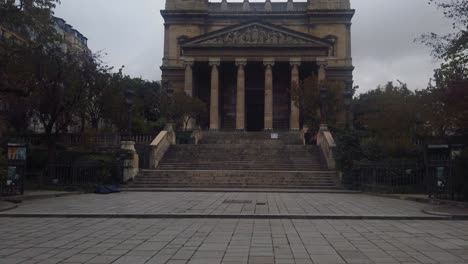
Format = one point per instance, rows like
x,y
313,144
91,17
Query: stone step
x,y
298,187
237,168
235,178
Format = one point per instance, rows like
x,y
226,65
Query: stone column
x,y
240,105
188,86
322,73
294,117
269,63
322,76
214,105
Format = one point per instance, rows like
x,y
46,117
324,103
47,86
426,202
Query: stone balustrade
x,y
327,145
160,145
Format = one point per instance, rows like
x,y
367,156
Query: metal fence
x,y
395,176
445,178
94,140
448,179
81,174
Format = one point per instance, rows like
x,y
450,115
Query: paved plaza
x,y
224,203
229,241
59,237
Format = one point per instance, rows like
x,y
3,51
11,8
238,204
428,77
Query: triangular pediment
x,y
256,34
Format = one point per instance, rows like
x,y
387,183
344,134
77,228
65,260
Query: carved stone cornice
x,y
241,62
269,62
256,34
214,62
188,62
295,62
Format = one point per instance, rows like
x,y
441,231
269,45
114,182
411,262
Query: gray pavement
x,y
219,204
5,206
216,241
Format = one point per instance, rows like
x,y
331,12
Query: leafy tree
x,y
444,101
306,96
32,19
58,92
182,108
452,47
389,113
143,97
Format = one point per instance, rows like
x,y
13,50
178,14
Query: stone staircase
x,y
240,160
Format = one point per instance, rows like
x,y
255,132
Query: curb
x,y
21,198
8,206
198,216
420,199
240,190
441,214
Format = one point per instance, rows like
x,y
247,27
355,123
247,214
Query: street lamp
x,y
129,96
348,99
323,97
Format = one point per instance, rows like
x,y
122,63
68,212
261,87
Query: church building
x,y
241,58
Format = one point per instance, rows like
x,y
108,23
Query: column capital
x,y
322,62
295,61
214,61
241,62
188,61
269,62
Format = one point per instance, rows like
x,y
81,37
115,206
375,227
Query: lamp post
x,y
129,96
348,98
323,97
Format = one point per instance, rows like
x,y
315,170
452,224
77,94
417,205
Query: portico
x,y
256,91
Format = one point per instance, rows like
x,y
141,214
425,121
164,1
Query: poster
x,y
12,176
17,152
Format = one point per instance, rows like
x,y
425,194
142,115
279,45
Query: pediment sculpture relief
x,y
255,35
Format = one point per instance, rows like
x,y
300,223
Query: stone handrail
x,y
197,135
160,145
327,145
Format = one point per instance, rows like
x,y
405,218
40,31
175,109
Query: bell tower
x,y
186,4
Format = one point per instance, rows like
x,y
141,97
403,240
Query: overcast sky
x,y
131,34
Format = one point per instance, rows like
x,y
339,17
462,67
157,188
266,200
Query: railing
x,y
96,140
447,179
82,174
392,176
197,135
327,146
160,145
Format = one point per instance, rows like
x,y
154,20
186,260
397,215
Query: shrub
x,y
348,149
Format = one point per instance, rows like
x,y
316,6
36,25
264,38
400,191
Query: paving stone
x,y
214,203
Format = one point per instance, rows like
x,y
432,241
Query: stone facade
x,y
241,58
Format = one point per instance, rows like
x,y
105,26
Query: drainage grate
x,y
237,202
261,203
